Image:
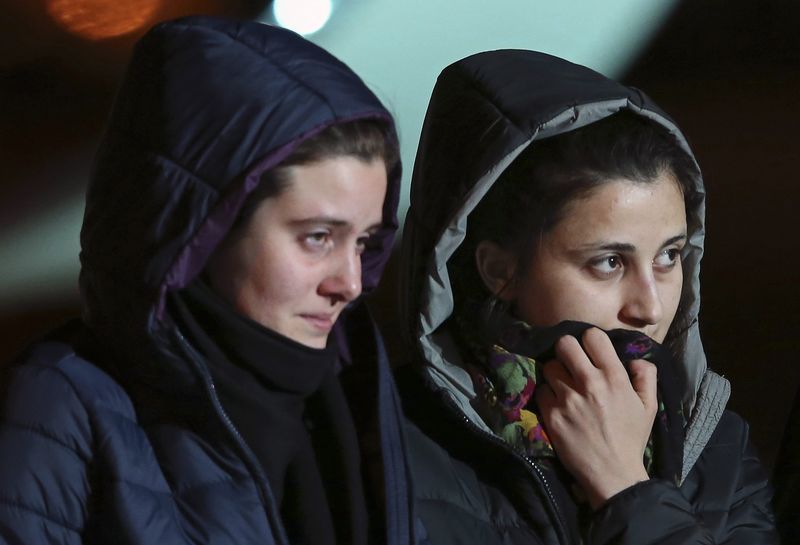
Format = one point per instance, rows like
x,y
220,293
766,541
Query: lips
x,y
322,321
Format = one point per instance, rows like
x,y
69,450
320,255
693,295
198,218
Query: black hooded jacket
x,y
472,487
114,431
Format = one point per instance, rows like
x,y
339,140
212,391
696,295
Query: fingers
x,y
600,351
598,418
575,360
596,369
596,354
558,378
546,399
644,378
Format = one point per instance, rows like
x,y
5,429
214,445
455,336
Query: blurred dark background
x,y
728,71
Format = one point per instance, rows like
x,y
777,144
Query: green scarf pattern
x,y
506,381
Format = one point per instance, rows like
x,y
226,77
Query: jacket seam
x,y
47,435
178,491
22,507
133,139
266,56
56,368
167,493
78,395
491,100
190,489
285,71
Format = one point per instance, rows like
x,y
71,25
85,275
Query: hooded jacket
x,y
484,111
113,432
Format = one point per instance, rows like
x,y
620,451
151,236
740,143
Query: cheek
x,y
564,296
266,286
673,298
546,299
274,286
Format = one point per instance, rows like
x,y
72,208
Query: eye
x,y
667,259
316,240
361,245
364,243
606,265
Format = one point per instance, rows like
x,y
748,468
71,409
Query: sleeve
x,y
725,501
45,439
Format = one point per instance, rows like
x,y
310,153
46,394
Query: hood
x,y
484,111
207,105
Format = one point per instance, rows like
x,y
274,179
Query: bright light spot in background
x,y
303,16
39,258
101,19
400,47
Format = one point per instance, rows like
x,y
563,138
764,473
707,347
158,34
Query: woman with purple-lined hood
x,y
225,383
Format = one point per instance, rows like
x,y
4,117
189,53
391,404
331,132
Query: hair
x,y
532,195
365,139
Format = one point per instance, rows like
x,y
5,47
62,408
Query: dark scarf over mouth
x,y
509,369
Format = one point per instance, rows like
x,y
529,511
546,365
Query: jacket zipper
x,y
533,467
264,493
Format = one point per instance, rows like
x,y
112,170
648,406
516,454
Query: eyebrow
x,y
331,221
623,247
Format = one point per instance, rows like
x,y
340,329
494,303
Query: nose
x,y
342,283
642,305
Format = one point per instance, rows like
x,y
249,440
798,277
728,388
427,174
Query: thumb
x,y
644,377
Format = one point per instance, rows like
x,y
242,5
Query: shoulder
x,y
730,435
457,504
729,465
53,403
55,364
441,471
459,494
52,391
729,486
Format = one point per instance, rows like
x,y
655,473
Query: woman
x,y
552,257
225,384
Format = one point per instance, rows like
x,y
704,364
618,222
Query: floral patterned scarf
x,y
510,370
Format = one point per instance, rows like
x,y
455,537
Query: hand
x,y
598,418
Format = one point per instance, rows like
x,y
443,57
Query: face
x,y
297,263
612,261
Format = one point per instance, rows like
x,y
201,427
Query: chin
x,y
313,342
658,337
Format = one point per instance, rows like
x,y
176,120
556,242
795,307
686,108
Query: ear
x,y
497,266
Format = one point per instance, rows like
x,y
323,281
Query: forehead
x,y
624,206
341,187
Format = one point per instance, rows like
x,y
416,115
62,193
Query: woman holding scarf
x,y
551,265
225,384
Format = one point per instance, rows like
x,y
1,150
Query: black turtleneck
x,y
286,401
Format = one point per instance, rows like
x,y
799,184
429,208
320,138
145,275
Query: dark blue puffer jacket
x,y
114,433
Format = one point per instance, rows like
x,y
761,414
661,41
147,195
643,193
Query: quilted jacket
x,y
111,431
